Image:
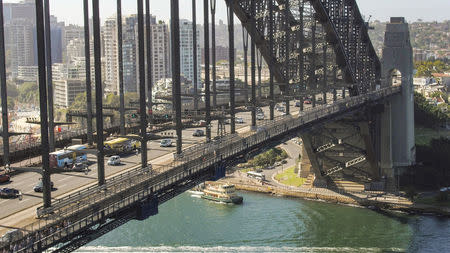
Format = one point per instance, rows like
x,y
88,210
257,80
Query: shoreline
x,y
314,194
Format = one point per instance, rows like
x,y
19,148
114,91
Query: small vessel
x,y
222,193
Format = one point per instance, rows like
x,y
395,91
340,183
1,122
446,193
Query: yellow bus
x,y
121,145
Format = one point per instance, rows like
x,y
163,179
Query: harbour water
x,y
266,223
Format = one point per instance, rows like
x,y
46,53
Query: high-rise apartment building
x,y
129,53
187,52
160,51
19,43
109,39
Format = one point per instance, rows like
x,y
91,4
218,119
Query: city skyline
x,y
413,10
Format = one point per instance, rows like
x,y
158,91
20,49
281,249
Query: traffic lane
x,y
66,182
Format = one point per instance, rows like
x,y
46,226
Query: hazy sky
x,y
428,10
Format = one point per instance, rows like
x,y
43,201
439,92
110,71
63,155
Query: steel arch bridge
x,y
312,45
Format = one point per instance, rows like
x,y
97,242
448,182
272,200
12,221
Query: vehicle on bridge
x,y
260,116
40,186
166,143
10,193
121,145
4,178
239,120
198,133
67,157
114,160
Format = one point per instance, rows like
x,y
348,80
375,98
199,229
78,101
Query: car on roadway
x,y
114,160
40,186
198,133
10,193
79,167
4,178
165,143
260,116
239,120
201,123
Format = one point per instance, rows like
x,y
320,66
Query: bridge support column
x,y
386,146
370,152
397,56
4,97
194,49
213,51
120,67
43,104
176,89
48,54
149,61
207,81
231,64
98,93
316,167
253,74
87,53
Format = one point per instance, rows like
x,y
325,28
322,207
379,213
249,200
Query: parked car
x,y
239,120
307,102
260,116
4,178
114,160
227,121
165,143
259,110
198,133
40,186
10,193
297,104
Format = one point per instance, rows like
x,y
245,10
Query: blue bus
x,y
67,157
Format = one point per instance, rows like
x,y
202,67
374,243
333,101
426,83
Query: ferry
x,y
222,193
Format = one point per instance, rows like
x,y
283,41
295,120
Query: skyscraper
x,y
187,52
161,51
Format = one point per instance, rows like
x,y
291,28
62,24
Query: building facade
x,y
187,51
65,91
160,51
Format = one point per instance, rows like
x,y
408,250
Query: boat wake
x,y
249,249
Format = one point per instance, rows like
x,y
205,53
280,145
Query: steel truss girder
x,y
342,27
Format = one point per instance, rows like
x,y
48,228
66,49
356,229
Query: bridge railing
x,y
126,189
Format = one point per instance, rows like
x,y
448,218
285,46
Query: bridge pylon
x,y
398,141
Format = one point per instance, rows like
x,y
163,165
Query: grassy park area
x,y
289,177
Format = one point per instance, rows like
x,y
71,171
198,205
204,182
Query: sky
x,y
71,11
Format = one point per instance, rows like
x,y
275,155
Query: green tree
x,y
427,68
28,92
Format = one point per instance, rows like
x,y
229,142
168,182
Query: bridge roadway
x,y
168,179
67,182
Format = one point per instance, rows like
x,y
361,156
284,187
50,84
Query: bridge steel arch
x,y
300,27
